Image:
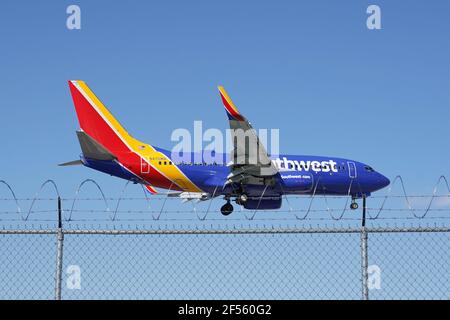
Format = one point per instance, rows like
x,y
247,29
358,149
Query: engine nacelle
x,y
266,203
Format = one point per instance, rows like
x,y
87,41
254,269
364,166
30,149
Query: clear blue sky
x,y
310,68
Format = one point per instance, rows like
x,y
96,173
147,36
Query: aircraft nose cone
x,y
383,181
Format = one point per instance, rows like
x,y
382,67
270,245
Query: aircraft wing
x,y
249,157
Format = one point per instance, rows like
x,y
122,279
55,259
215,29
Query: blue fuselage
x,y
297,175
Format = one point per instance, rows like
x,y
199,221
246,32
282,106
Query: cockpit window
x,y
369,169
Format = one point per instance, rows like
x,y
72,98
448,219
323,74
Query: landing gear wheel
x,y
226,209
354,206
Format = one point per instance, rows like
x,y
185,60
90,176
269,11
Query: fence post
x,y
59,253
364,255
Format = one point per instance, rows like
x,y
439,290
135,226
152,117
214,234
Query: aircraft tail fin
x,y
97,123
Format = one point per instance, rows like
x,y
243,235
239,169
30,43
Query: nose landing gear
x,y
354,205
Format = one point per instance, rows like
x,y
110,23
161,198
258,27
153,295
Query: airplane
x,y
253,180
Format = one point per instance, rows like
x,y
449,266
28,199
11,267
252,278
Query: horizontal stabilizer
x,y
70,163
92,149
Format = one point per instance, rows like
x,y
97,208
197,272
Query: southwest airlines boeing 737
x,y
255,183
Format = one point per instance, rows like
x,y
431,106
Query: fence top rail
x,y
228,231
28,231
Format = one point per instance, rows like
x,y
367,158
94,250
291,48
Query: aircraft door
x,y
352,169
145,167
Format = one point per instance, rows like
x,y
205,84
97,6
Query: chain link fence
x,y
398,247
233,263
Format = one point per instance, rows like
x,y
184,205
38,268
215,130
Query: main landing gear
x,y
354,205
227,208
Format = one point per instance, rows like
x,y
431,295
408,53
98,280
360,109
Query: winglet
x,y
232,112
